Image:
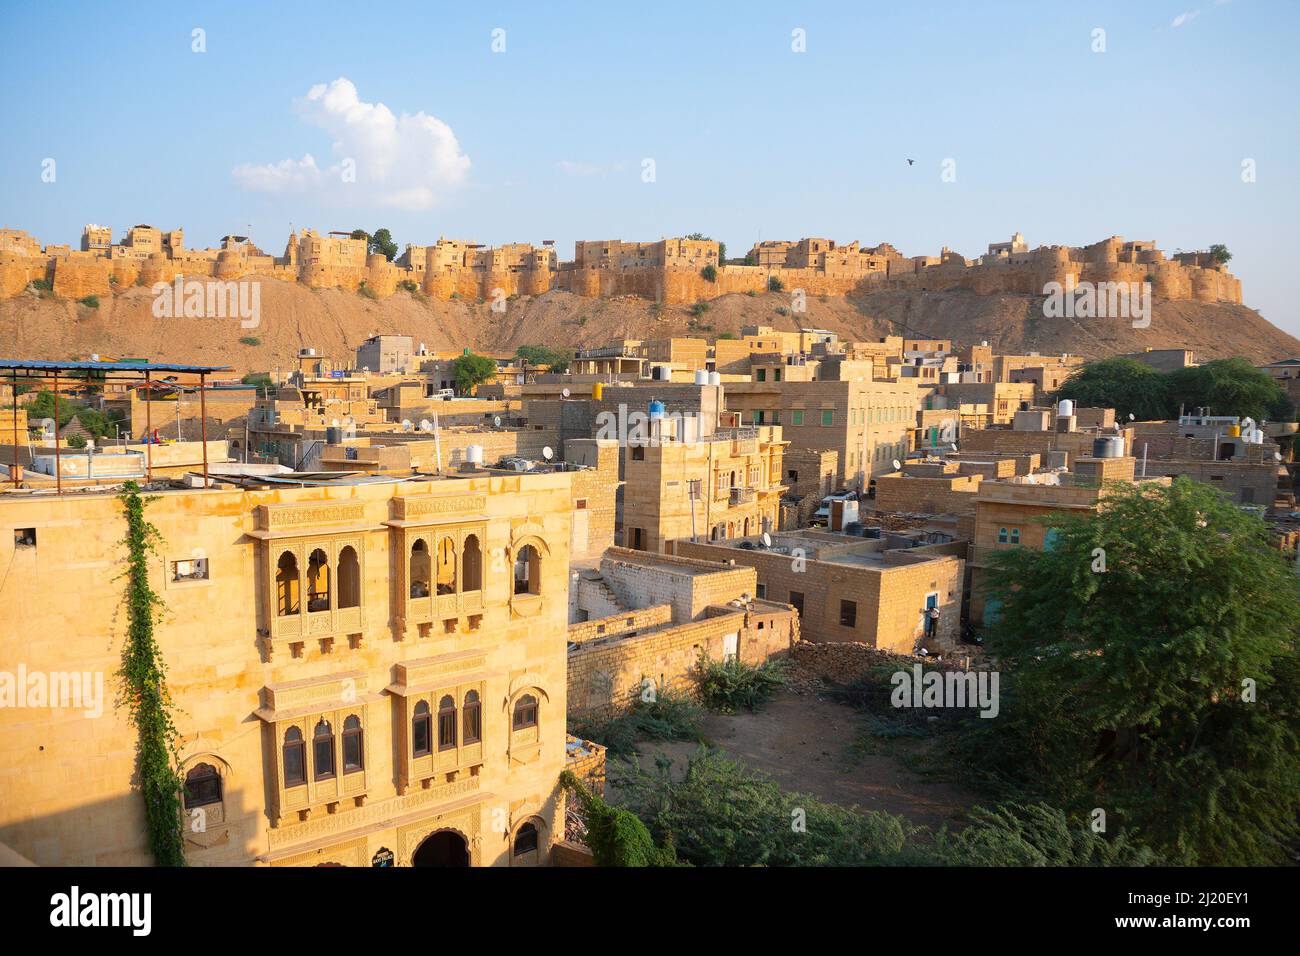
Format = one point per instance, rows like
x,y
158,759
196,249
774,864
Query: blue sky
x,y
749,139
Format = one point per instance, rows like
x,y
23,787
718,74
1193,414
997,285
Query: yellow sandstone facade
x,y
363,674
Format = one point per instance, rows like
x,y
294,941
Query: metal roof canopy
x,y
27,365
42,371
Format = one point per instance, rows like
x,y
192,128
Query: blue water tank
x,y
656,409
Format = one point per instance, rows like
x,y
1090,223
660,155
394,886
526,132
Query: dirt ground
x,y
807,744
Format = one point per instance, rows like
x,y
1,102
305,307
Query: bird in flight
x,y
911,162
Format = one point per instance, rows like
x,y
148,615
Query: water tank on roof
x,y
701,377
715,378
656,409
598,391
1234,431
474,454
1111,446
1065,409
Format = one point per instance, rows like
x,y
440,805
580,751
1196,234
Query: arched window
x,y
286,584
528,571
318,581
446,566
322,750
446,723
472,561
419,569
353,745
295,758
421,730
349,578
202,786
525,712
471,719
526,839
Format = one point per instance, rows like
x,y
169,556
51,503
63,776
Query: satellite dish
x,y
745,597
1277,455
334,423
767,540
564,392
406,424
953,446
496,421
1131,416
426,425
548,453
897,465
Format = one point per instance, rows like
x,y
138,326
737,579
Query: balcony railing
x,y
741,496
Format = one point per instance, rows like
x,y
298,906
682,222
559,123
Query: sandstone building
x,y
361,671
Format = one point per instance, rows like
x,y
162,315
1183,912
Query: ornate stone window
x,y
202,786
295,758
446,565
447,723
322,750
528,571
287,585
472,564
318,581
353,744
526,840
422,730
419,569
349,578
525,715
471,719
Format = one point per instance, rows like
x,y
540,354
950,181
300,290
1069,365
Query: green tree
x,y
709,273
543,356
1228,387
1161,684
722,253
382,242
470,371
1124,384
1219,254
1034,835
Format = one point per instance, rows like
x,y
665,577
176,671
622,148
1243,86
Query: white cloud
x,y
1187,17
406,162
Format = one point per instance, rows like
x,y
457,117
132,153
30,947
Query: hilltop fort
x,y
670,270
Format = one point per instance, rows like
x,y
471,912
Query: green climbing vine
x,y
144,690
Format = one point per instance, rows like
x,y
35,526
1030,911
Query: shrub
x,y
76,441
709,274
365,290
1033,835
42,285
729,686
249,340
90,301
616,837
699,308
782,310
655,714
407,285
721,813
774,284
751,293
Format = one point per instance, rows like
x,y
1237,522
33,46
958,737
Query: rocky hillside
x,y
334,322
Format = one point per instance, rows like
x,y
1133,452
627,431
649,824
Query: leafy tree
x,y
382,243
1166,688
361,234
616,837
470,371
543,356
1124,384
1219,254
721,813
722,253
666,714
96,422
1228,387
